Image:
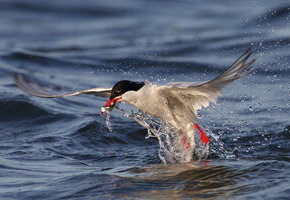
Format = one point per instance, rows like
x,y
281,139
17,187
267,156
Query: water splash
x,y
172,149
107,116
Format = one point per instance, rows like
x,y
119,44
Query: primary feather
x,y
201,94
32,87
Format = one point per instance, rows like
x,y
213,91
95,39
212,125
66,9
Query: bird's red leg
x,y
184,140
203,135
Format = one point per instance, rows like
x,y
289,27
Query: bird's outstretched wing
x,y
197,95
32,87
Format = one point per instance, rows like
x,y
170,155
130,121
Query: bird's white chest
x,y
147,99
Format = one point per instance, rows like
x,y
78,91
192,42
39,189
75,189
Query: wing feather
x,y
32,87
197,95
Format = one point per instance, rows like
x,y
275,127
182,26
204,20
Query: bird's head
x,y
118,90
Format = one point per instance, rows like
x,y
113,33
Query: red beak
x,y
111,102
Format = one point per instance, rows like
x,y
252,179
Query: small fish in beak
x,y
105,109
110,105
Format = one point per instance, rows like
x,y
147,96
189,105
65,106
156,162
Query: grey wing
x,y
32,87
195,96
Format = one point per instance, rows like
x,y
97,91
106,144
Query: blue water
x,y
62,149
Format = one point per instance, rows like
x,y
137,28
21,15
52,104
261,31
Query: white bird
x,y
174,103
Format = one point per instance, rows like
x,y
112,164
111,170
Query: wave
x,y
75,10
35,58
23,109
274,14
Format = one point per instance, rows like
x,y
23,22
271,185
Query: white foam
x,y
171,150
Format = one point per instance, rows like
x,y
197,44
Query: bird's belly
x,y
178,117
153,107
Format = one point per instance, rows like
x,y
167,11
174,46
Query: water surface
x,y
61,148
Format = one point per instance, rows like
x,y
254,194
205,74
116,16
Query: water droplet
x,y
107,120
171,141
251,109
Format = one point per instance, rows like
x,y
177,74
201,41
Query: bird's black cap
x,y
124,86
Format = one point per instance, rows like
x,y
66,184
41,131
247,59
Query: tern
x,y
174,103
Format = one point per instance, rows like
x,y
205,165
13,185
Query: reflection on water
x,y
194,180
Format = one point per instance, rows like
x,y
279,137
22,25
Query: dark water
x,y
61,148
